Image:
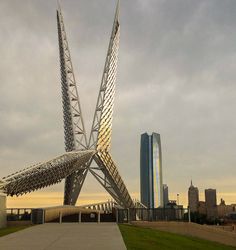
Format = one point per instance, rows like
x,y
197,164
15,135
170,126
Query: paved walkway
x,y
67,236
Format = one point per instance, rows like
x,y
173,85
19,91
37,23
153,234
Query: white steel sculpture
x,y
76,162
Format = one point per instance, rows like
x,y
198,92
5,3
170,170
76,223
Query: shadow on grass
x,y
145,238
9,230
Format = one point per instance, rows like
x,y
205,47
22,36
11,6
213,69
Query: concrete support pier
x,y
3,214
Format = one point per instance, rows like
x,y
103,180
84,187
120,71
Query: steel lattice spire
x,y
74,130
74,165
100,136
75,135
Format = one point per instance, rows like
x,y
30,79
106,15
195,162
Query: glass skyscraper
x,y
165,195
151,183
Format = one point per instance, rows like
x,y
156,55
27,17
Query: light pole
x,y
178,199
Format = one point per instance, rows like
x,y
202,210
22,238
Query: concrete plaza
x,y
69,236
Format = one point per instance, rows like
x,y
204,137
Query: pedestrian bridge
x,y
96,212
71,214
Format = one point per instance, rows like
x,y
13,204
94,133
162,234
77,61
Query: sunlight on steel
x,y
100,136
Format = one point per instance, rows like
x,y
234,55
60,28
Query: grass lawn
x,y
145,238
9,230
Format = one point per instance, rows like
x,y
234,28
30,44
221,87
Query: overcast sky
x,y
176,77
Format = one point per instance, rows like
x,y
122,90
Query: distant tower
x,y
165,195
151,184
211,205
193,198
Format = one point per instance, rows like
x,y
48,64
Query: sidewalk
x,y
67,236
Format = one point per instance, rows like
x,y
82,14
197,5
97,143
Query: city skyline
x,y
31,117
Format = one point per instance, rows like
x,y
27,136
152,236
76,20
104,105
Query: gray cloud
x,y
176,77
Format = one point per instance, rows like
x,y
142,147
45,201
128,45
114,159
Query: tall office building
x,y
193,198
151,170
165,195
211,205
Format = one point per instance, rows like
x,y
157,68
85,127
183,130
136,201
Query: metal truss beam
x,y
77,179
74,130
109,177
102,206
100,136
45,174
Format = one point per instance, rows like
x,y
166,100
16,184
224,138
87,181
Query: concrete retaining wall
x,y
3,214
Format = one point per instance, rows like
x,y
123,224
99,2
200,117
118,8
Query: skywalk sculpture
x,y
74,165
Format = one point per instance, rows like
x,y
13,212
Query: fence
x,y
19,214
120,215
151,214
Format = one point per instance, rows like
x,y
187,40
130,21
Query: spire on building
x,y
193,198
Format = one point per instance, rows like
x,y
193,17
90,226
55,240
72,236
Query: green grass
x,y
145,238
9,230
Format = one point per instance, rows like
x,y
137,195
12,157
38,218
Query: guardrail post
x,y
60,217
98,217
128,216
79,217
117,216
31,216
43,216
